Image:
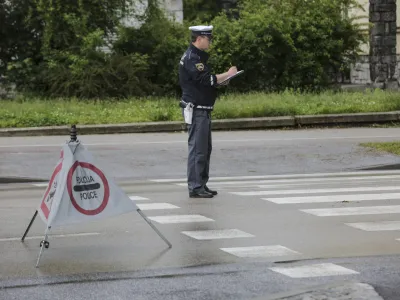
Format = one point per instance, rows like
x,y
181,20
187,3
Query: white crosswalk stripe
x,y
334,198
174,219
376,226
317,191
138,198
260,251
316,270
348,211
156,206
217,234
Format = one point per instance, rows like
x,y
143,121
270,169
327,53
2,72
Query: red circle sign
x,y
86,186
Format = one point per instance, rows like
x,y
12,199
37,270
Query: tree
x,y
19,39
287,43
71,61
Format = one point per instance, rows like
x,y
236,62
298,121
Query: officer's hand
x,y
232,71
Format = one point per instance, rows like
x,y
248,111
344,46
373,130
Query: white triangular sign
x,y
79,191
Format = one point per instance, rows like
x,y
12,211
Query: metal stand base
x,y
44,244
154,228
29,226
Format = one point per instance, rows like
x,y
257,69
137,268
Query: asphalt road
x,y
238,153
282,205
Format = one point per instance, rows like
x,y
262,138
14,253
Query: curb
x,y
5,180
225,124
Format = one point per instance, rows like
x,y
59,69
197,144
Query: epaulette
x,y
193,55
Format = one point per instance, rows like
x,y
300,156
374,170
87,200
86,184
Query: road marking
x,y
317,270
291,178
50,236
335,198
376,226
260,251
299,176
215,141
316,191
173,219
138,198
41,184
284,182
154,206
217,234
351,211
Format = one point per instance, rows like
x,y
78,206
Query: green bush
x,y
286,43
279,43
72,60
199,11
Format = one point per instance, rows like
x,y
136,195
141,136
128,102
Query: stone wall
x,y
382,14
173,8
360,72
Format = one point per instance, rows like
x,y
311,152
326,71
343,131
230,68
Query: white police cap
x,y
202,29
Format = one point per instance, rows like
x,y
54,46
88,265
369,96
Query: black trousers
x,y
200,147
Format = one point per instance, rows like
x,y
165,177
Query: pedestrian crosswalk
x,y
358,193
342,197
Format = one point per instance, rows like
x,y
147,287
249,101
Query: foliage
x,y
79,48
74,60
388,147
26,112
201,11
287,43
19,40
163,41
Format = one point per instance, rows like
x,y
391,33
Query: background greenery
x,y
55,48
29,111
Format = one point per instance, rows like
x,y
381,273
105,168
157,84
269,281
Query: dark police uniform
x,y
199,88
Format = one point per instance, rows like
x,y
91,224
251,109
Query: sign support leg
x,y
29,226
43,243
154,228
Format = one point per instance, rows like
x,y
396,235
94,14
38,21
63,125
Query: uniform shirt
x,y
195,78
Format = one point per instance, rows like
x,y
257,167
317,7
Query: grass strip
x,y
35,112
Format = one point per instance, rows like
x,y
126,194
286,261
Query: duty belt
x,y
204,107
183,105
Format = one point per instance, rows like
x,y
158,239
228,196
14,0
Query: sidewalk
x,y
227,124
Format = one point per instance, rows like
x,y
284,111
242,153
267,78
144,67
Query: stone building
x,y
380,58
173,8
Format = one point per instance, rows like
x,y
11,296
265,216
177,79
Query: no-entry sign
x,y
88,188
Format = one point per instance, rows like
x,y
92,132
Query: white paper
x,y
232,76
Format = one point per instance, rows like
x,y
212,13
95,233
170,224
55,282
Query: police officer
x,y
198,85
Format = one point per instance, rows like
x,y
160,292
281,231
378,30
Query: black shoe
x,y
210,191
200,195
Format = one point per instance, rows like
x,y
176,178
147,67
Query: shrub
x,y
286,43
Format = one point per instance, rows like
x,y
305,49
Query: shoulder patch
x,y
200,67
